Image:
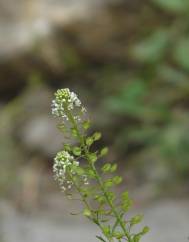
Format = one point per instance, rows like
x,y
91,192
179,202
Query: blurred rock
x,y
22,21
34,125
40,134
52,37
106,37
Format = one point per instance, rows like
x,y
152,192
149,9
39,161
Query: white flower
x,y
64,163
64,101
85,180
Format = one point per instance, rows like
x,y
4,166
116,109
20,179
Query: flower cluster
x,y
64,168
64,101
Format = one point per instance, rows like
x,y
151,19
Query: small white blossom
x,y
85,180
65,99
64,163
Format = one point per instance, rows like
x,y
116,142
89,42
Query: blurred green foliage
x,y
154,101
176,6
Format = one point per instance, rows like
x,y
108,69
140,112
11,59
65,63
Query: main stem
x,y
89,208
77,188
99,180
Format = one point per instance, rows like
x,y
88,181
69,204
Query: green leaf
x,y
74,132
176,6
92,157
109,183
106,168
181,53
86,124
79,170
62,127
130,99
111,196
126,205
77,151
91,173
125,196
136,238
85,192
87,212
97,136
67,147
106,230
145,230
136,219
89,141
113,168
118,235
100,198
152,48
104,151
117,180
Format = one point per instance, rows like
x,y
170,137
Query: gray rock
x,y
21,22
40,134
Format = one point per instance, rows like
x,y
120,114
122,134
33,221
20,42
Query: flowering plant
x,y
95,185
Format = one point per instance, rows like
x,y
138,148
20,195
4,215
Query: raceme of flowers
x,y
65,101
65,165
101,203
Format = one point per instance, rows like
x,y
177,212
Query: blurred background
x,y
129,63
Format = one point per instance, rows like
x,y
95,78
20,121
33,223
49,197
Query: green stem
x,y
88,207
99,180
72,120
122,224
